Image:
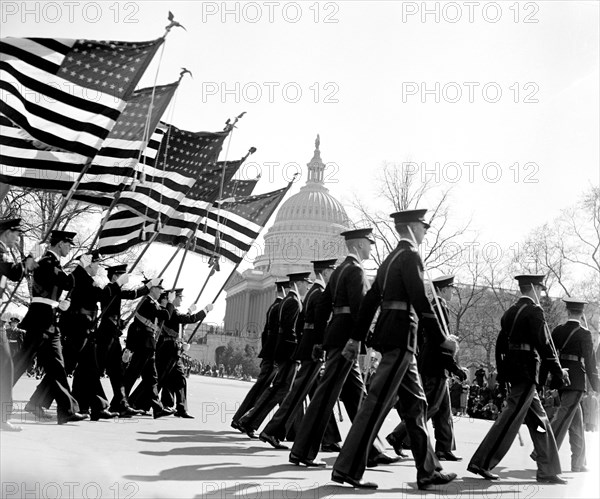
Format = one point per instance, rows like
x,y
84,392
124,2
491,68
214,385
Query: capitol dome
x,y
306,228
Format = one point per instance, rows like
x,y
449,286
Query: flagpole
x,y
169,262
187,247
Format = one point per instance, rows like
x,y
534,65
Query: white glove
x,y
154,282
85,260
38,250
64,305
123,279
193,308
186,347
208,308
126,356
171,296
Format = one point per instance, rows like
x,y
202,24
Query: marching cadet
x,y
10,233
43,336
140,347
307,375
110,330
267,365
434,363
400,292
523,339
290,327
342,296
169,365
576,353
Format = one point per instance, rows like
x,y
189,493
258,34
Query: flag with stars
x,y
181,160
24,165
67,94
231,230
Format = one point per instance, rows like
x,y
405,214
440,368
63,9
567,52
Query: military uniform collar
x,y
53,253
406,240
524,297
3,246
320,282
574,320
355,257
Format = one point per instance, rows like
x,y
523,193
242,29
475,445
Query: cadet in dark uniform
x,y
307,375
172,382
523,339
341,378
43,336
140,347
10,233
434,364
108,345
291,322
267,365
576,353
399,290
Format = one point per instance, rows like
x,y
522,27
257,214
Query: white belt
x,y
45,301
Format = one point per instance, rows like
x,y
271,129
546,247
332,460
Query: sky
x,y
498,101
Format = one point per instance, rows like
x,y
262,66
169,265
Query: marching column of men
x,y
67,336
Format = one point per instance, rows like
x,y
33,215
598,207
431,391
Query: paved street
x,y
204,457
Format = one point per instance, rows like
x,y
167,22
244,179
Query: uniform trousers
x,y
143,363
109,354
6,378
438,410
341,379
569,418
291,408
263,381
396,377
522,405
87,387
271,397
48,348
172,383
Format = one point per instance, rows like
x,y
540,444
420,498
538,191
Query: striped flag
x,y
67,94
172,170
24,165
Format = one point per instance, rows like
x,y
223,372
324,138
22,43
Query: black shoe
x,y
393,441
487,474
553,479
447,456
248,431
160,413
38,411
297,460
272,441
382,459
334,447
339,477
129,412
183,414
581,469
73,418
436,479
104,414
236,426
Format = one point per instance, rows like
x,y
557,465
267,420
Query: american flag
x,y
68,94
123,229
24,165
231,231
172,170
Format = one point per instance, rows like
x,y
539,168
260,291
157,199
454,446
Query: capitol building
x,y
306,228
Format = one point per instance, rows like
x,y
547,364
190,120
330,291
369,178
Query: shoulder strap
x,y
337,282
515,320
387,270
569,337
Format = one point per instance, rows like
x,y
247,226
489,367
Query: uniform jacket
x,y
305,347
140,334
399,279
580,345
433,360
518,365
8,270
170,328
83,311
49,281
270,331
290,326
346,288
110,302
